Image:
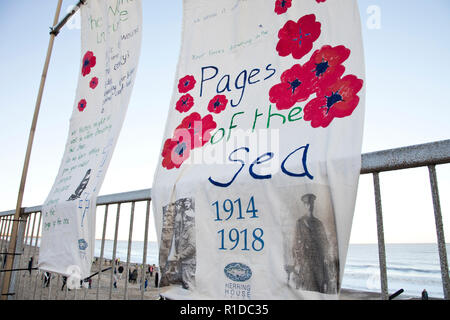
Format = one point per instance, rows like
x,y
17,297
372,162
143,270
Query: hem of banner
x,y
44,269
50,270
175,292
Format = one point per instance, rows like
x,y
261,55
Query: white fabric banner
x,y
110,47
255,189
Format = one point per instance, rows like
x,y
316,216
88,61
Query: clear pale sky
x,y
406,48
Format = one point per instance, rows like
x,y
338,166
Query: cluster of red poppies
x,y
89,62
336,96
193,131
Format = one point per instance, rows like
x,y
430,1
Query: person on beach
x,y
120,269
132,276
150,270
145,284
47,276
30,264
424,295
115,279
311,252
64,280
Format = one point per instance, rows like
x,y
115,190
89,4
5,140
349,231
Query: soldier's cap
x,y
308,198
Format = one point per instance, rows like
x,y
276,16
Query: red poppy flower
x,y
295,86
199,128
82,105
326,65
297,38
337,101
217,104
186,84
185,103
281,6
94,82
193,132
175,152
89,61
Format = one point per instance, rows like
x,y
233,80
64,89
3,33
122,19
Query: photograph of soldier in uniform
x,y
177,256
314,260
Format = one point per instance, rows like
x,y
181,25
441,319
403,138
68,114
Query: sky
x,y
406,51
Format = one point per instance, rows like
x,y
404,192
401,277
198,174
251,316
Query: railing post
x,y
144,255
439,231
130,238
113,262
102,250
25,244
380,232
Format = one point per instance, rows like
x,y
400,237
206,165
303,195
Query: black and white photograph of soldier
x,y
177,256
313,253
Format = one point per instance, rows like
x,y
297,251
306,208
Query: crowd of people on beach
x,y
133,274
151,272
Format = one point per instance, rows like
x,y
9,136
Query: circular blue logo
x,y
238,272
82,244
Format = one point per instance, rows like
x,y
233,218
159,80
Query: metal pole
x,y
144,257
49,286
35,284
32,232
113,262
37,236
3,227
5,244
130,238
439,231
34,252
19,291
57,286
102,250
6,234
380,230
2,232
56,29
12,243
30,254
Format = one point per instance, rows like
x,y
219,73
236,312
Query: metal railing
x,y
27,285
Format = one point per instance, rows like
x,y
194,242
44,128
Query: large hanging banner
x,y
110,47
255,188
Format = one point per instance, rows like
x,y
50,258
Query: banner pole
x,y
13,237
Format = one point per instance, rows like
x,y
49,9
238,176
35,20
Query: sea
x,y
411,267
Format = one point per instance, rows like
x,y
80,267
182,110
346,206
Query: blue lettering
x,y
240,86
203,76
224,185
305,169
268,155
